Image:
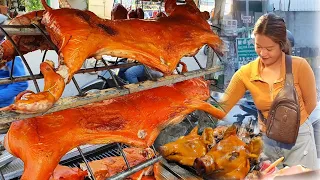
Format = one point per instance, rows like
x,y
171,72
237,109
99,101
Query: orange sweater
x,y
248,78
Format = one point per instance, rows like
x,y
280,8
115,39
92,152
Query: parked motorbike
x,y
104,79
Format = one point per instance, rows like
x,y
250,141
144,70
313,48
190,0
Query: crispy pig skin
x,y
135,119
79,35
67,173
159,43
107,167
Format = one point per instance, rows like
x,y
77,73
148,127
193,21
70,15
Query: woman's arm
x,y
234,92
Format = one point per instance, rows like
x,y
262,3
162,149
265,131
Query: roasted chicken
x,y
229,159
107,167
159,43
135,119
67,173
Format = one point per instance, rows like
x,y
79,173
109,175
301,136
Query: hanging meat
x,y
25,44
135,119
107,167
159,44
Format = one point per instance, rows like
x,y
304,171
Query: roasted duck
x,y
67,173
135,119
159,43
25,44
229,159
107,167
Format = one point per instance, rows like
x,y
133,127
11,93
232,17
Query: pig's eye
x,y
234,155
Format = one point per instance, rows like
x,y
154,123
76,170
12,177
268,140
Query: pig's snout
x,y
204,165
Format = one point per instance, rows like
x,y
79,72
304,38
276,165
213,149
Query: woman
x,y
264,78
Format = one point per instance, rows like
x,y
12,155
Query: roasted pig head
x,y
24,43
229,159
135,119
211,136
185,149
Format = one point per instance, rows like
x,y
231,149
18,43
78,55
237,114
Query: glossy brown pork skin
x,y
135,119
67,173
109,166
159,43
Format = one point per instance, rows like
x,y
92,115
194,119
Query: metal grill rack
x,y
91,97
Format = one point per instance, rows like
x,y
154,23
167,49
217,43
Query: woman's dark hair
x,y
274,27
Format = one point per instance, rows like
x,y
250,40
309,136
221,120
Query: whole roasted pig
x,y
135,119
159,43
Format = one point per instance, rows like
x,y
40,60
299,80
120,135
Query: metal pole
x,y
247,14
86,163
137,168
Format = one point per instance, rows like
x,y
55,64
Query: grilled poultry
x,y
135,119
229,159
159,43
67,173
25,44
107,167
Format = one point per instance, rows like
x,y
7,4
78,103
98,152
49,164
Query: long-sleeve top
x,y
248,78
9,91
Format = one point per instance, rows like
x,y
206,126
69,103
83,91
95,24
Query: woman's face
x,y
268,50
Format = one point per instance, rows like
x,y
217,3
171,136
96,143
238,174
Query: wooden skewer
x,y
264,172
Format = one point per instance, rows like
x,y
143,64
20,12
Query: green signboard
x,y
245,50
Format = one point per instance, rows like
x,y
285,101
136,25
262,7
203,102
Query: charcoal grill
x,y
170,171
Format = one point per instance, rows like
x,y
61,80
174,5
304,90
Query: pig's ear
x,y
232,130
194,131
